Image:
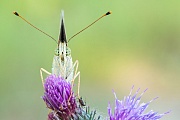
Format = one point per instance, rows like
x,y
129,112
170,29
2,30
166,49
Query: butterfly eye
x,y
68,52
56,52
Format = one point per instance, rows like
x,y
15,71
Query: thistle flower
x,y
62,102
130,109
59,97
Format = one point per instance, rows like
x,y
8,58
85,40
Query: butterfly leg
x,y
41,75
76,74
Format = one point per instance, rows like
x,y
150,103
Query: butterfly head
x,y
62,48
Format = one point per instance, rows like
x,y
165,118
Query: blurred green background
x,y
139,44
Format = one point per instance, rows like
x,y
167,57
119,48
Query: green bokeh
x,y
139,44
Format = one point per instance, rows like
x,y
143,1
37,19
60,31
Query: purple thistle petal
x,y
52,116
130,108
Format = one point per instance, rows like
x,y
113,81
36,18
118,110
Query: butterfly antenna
x,y
17,14
108,13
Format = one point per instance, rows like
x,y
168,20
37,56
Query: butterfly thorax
x,y
62,63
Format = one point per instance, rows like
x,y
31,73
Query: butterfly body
x,y
62,61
